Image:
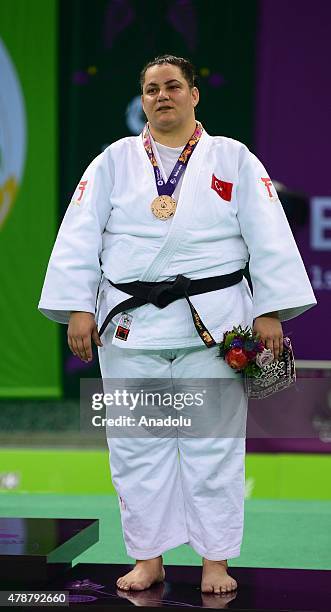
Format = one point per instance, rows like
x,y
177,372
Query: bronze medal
x,y
163,207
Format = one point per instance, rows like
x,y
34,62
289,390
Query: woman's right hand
x,y
82,327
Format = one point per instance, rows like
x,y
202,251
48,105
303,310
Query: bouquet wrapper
x,y
275,377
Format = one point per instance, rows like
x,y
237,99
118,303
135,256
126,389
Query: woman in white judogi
x,y
223,210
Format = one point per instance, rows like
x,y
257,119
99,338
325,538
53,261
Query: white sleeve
x,y
74,272
279,278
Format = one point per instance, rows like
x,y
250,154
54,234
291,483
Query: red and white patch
x,y
270,190
222,188
81,187
123,327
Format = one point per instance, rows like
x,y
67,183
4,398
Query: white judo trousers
x,y
178,490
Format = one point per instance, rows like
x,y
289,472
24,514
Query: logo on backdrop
x,y
12,134
135,119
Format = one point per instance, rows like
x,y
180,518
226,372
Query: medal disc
x,y
163,207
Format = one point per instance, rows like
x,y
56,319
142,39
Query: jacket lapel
x,y
185,206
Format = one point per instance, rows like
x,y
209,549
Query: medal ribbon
x,y
169,187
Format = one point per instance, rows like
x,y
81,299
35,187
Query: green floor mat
x,y
278,533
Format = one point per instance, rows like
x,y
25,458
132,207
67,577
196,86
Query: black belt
x,y
163,293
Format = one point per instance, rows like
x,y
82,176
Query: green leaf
x,y
228,339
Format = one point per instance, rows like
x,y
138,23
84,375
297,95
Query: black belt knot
x,y
162,294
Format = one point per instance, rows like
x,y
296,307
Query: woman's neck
x,y
175,138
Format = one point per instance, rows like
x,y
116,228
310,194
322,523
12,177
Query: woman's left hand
x,y
270,331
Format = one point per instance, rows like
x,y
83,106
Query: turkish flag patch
x,y
222,188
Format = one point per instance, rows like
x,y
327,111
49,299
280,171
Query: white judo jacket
x,y
228,212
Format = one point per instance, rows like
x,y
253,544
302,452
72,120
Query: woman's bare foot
x,y
150,597
215,578
144,574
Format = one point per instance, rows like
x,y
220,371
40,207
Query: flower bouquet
x,y
244,352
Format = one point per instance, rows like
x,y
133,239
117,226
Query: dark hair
x,y
185,66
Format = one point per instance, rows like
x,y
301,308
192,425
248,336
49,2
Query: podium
x,y
36,550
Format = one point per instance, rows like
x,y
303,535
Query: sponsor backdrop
x,y
292,136
88,57
30,363
293,132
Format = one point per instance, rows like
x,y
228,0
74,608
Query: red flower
x,y
236,358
